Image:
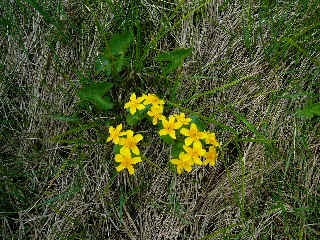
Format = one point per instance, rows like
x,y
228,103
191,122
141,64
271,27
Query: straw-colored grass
x,y
263,188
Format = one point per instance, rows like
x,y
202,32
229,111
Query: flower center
x,y
130,143
126,161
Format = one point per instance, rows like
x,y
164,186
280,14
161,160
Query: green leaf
x,y
310,110
94,94
167,139
177,148
116,148
196,120
113,58
134,119
175,59
62,117
119,43
103,64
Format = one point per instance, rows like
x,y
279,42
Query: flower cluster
x,y
128,142
193,148
194,151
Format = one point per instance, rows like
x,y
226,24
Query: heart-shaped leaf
x,y
95,94
175,59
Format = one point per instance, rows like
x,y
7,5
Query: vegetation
x,y
246,70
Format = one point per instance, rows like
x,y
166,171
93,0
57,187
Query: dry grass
x,y
74,190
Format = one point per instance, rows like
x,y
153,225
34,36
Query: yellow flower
x,y
181,118
211,139
184,162
134,104
126,161
115,133
156,113
152,99
169,127
195,152
211,156
130,142
193,134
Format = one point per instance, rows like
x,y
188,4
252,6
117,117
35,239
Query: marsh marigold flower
x,y
156,113
211,139
130,142
195,152
126,160
134,104
193,134
169,127
211,156
181,118
184,162
115,133
152,99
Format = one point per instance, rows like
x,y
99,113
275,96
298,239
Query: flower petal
x,y
133,110
127,105
163,132
136,160
120,167
131,170
154,121
133,97
141,106
118,158
188,141
135,150
125,152
172,134
138,138
119,127
175,161
185,132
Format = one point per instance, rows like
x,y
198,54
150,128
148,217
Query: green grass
x,y
252,77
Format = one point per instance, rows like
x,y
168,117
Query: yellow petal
x,y
136,160
129,133
111,129
118,158
138,137
175,161
193,127
120,168
119,127
135,150
133,97
163,132
185,132
188,141
131,170
133,110
197,161
172,134
188,168
140,99
141,106
125,152
109,139
154,121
